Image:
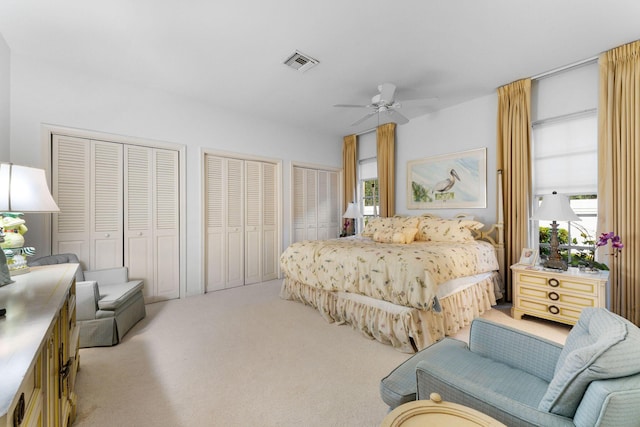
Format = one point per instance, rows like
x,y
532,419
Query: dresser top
x,y
571,272
33,302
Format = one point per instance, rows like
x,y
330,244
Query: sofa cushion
x,y
601,345
113,296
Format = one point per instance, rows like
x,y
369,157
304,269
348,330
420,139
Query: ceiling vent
x,y
301,62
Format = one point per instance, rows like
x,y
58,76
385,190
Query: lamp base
x,y
555,264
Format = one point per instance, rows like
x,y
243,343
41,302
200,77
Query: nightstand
x,y
556,295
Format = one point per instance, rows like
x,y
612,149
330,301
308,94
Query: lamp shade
x,y
353,211
555,207
24,189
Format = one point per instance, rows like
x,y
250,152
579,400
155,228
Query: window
x,y
564,156
368,189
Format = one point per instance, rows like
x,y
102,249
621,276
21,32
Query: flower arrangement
x,y
604,240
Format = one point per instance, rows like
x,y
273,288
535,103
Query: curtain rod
x,y
564,68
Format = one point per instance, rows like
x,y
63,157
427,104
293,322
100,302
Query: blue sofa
x,y
524,380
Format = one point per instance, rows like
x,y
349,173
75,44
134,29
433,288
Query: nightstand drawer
x,y
552,295
551,311
561,283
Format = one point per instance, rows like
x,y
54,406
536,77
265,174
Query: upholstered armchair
x,y
108,304
524,380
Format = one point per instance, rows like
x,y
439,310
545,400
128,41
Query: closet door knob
x,y
139,233
107,235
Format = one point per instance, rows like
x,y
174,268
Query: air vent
x,y
301,62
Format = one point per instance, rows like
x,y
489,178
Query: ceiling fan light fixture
x,y
300,62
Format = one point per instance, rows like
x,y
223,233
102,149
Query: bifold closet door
x,y
87,185
224,223
316,206
260,222
151,220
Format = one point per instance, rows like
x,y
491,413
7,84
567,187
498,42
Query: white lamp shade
x,y
24,189
555,207
353,211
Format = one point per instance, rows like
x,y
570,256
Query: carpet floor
x,y
244,357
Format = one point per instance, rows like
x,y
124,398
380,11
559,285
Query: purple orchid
x,y
616,242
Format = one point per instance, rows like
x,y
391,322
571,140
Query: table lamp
x,y
22,189
555,207
352,212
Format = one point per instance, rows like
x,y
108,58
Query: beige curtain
x,y
514,159
386,157
619,172
349,172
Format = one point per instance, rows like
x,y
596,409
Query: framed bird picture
x,y
457,180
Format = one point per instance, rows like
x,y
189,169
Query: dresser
x,y
39,348
556,295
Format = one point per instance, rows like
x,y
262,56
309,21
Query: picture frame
x,y
529,257
456,180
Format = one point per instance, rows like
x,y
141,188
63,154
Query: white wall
x,y
5,81
463,127
45,94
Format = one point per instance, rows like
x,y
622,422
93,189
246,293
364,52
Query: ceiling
x,y
230,53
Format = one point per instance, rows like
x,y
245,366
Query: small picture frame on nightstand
x,y
529,257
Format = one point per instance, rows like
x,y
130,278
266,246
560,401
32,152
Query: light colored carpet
x,y
242,357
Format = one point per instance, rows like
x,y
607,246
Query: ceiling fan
x,y
384,103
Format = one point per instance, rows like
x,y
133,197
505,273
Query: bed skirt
x,y
407,329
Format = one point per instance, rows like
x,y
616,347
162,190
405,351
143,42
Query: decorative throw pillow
x,y
447,230
376,224
398,235
601,345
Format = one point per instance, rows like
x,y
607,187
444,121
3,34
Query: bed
x,y
404,281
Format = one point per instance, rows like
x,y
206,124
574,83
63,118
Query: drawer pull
x,y
554,283
553,309
553,296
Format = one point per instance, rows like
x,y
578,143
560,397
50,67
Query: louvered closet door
x,y
299,216
269,221
316,205
260,225
71,188
225,222
215,203
151,220
106,202
166,224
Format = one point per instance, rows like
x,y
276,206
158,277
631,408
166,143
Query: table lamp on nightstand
x,y
22,189
555,207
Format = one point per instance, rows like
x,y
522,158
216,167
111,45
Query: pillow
x,y
447,230
601,345
394,222
396,235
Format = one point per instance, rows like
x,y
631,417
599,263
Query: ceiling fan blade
x,y
398,117
387,92
368,116
351,106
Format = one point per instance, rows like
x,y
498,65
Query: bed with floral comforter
x,y
404,281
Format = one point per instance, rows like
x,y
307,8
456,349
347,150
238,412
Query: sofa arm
x,y
108,276
87,297
521,350
612,402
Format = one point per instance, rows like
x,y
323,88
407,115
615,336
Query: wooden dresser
x,y
556,295
39,348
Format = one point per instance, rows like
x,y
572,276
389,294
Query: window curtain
x,y
619,173
386,155
514,160
349,171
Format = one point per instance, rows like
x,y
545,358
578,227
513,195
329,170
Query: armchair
x,y
523,380
108,304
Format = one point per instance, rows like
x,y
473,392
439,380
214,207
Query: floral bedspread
x,y
387,271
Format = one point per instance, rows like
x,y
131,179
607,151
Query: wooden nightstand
x,y
555,295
